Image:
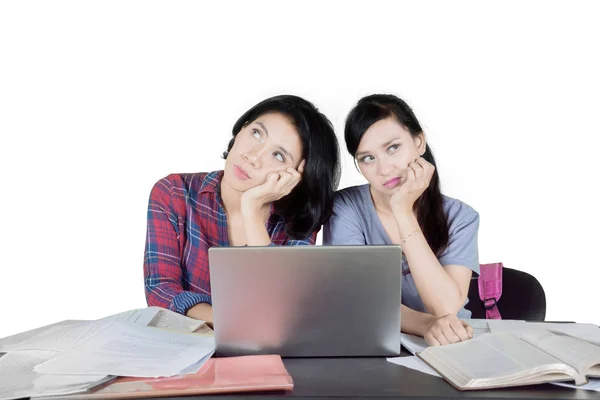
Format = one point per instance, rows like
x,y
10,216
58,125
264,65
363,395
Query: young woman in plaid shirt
x,y
281,170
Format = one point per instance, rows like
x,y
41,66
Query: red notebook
x,y
218,375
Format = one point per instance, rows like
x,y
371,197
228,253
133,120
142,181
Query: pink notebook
x,y
218,375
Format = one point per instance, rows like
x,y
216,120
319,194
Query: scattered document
x,y
593,384
505,325
141,316
69,334
414,362
61,338
412,343
15,340
195,368
132,350
170,320
19,379
480,326
158,317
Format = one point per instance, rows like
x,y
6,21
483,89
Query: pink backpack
x,y
490,288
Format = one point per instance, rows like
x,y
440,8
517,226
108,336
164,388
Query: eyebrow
x,y
386,144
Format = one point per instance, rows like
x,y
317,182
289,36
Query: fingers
x,y
468,328
417,170
288,179
431,340
459,329
441,337
423,169
447,330
428,168
450,335
410,173
272,179
301,166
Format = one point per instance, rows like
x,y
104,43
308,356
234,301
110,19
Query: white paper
x,y
15,340
414,362
506,325
594,384
66,335
194,368
158,317
170,320
141,316
480,326
62,338
132,350
19,379
414,344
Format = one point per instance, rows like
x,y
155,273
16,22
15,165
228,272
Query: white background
x,y
98,100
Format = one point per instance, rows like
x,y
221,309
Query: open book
x,y
504,359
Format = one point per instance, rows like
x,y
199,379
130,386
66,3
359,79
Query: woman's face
x,y
384,153
271,143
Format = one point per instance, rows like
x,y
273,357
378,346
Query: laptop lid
x,y
302,301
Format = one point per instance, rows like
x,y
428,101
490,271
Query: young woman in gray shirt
x,y
402,204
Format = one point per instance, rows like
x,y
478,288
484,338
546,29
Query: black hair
x,y
429,207
309,205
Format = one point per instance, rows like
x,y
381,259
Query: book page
x,y
577,353
19,379
587,332
500,355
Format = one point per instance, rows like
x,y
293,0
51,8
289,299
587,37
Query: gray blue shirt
x,y
355,221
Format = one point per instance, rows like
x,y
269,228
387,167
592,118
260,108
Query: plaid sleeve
x,y
162,256
286,241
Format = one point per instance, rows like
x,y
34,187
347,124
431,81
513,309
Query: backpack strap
x,y
490,288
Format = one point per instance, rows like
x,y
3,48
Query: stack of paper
x,y
131,350
20,380
74,356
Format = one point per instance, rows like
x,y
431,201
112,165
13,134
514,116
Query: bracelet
x,y
405,238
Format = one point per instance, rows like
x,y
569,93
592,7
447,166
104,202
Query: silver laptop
x,y
306,301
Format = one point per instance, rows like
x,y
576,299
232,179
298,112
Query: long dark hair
x,y
429,207
309,205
